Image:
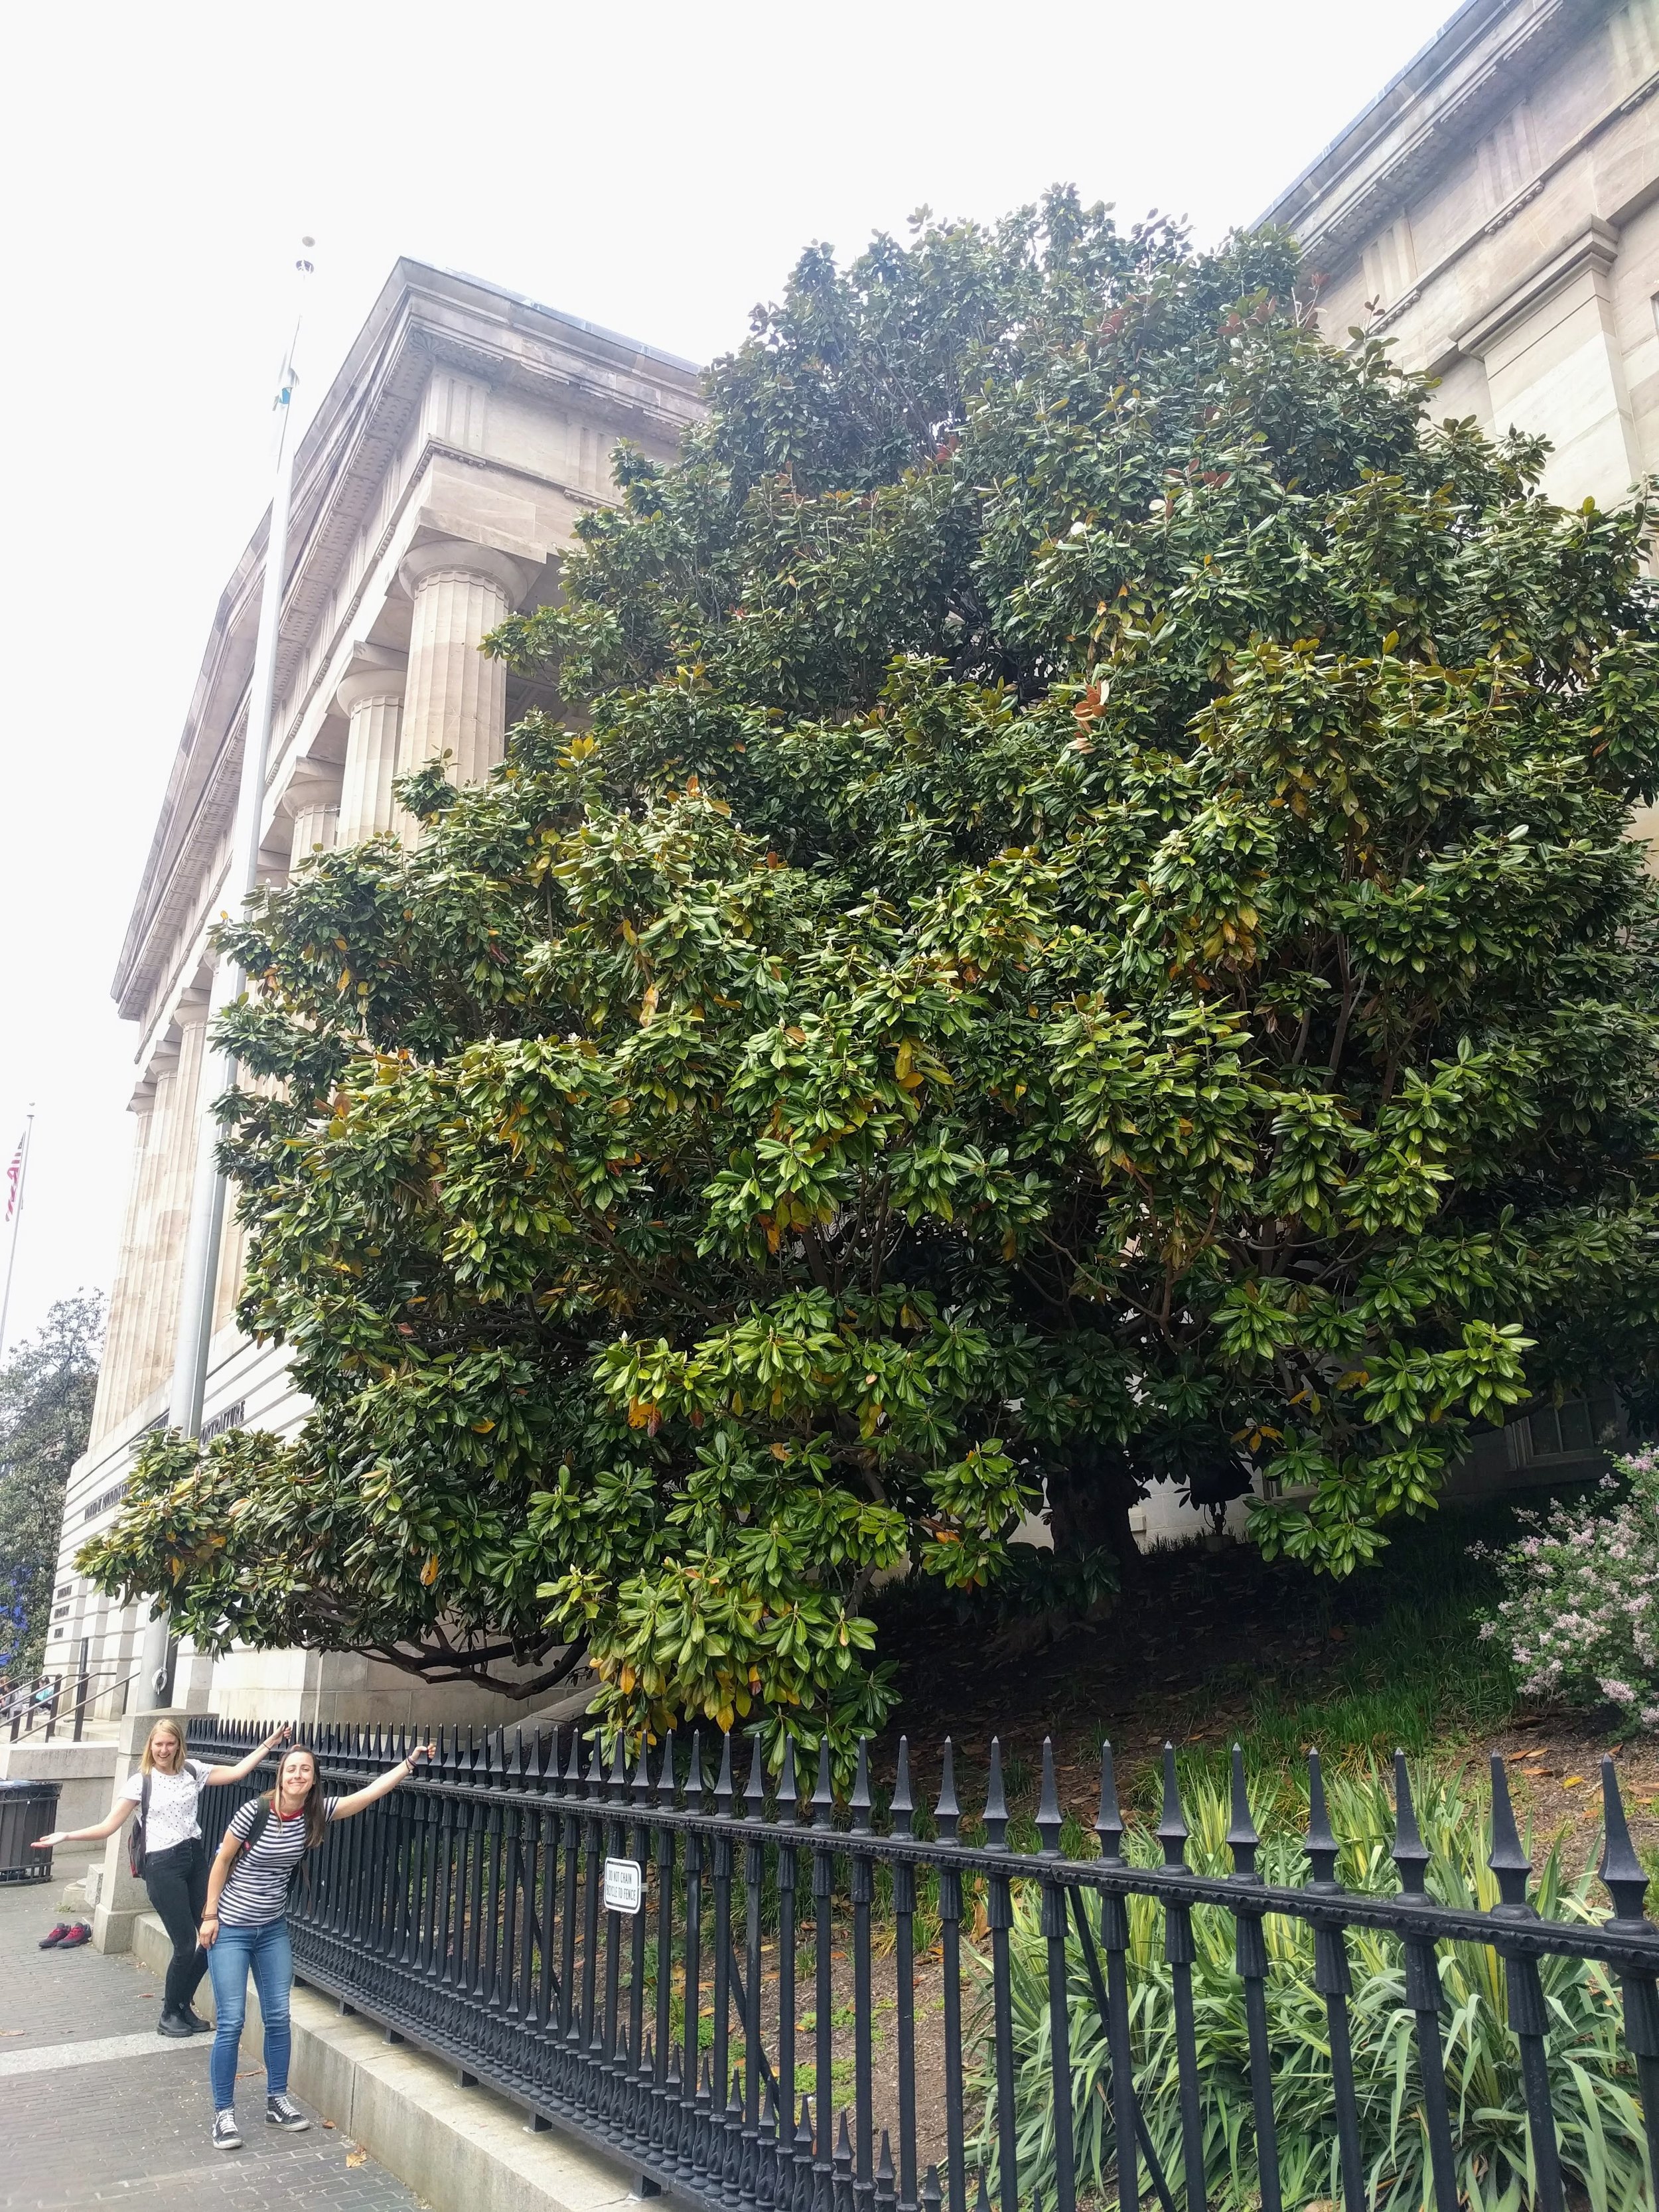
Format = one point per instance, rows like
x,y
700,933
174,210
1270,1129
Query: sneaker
x,y
282,2112
226,2134
55,1936
76,1935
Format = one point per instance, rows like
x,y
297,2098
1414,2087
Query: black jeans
x,y
177,1881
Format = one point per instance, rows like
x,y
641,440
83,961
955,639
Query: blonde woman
x,y
244,1923
167,1850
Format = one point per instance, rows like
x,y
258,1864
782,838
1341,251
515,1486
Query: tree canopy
x,y
1076,929
48,1386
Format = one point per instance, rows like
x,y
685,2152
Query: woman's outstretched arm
x,y
383,1784
246,1767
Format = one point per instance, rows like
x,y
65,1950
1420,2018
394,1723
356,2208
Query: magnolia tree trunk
x,y
1090,1498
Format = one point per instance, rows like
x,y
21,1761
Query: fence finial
x,y
754,1804
723,1790
902,1804
1506,1858
573,1773
947,1813
788,1787
859,1800
694,1784
823,1798
667,1781
996,1803
886,2192
1623,1875
1109,1821
641,1783
932,2195
1411,1854
1172,1830
1321,1845
1242,1837
1048,1818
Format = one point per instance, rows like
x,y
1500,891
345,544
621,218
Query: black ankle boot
x,y
194,2022
174,2023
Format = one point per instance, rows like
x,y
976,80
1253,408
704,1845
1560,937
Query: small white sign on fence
x,y
622,1880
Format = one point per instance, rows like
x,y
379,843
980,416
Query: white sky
x,y
653,167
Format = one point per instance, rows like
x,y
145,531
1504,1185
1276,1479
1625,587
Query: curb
x,y
461,2150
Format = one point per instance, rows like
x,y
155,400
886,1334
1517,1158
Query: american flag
x,y
14,1177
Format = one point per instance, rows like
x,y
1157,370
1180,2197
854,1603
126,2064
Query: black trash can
x,y
28,1809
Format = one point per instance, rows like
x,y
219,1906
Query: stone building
x,y
1494,212
433,491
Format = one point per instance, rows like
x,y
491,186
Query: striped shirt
x,y
256,1888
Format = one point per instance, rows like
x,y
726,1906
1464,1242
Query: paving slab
x,y
96,2109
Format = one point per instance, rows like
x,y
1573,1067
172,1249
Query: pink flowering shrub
x,y
1580,1609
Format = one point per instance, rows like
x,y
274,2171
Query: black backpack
x,y
137,1844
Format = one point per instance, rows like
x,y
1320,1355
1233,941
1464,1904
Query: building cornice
x,y
424,316
1475,68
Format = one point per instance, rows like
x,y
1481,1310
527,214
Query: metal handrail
x,y
30,1712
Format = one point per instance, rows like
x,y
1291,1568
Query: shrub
x,y
1580,1609
1597,2117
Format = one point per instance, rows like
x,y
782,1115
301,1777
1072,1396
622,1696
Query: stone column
x,y
373,699
314,826
455,700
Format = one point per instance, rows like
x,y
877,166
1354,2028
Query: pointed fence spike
x,y
619,1767
695,1785
1172,1830
823,1798
860,1801
1320,1843
1241,1837
1411,1854
1109,1821
843,2142
885,2176
573,1773
667,1781
641,1783
947,1814
803,2128
723,1790
931,2194
984,2204
996,1803
755,1790
903,1805
1623,1875
788,1787
1507,1860
1049,1818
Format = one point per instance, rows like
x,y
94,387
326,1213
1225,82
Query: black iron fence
x,y
627,1953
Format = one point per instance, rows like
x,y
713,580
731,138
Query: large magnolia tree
x,y
1079,931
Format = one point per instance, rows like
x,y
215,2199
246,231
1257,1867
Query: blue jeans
x,y
268,1951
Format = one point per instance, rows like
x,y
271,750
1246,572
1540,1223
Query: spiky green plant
x,y
1598,2120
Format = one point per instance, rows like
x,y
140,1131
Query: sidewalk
x,y
96,2109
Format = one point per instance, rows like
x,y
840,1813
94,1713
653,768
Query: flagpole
x,y
204,1235
16,1222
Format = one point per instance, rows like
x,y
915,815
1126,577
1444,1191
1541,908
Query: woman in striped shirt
x,y
245,1926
